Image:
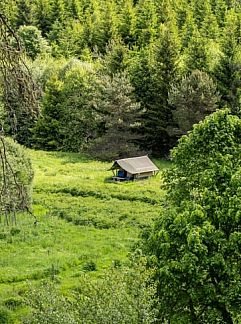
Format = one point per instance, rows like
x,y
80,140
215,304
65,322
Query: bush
x,y
17,176
14,231
117,297
90,266
5,316
13,302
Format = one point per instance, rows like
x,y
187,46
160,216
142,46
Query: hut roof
x,y
135,165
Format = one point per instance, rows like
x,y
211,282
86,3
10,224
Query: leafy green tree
x,y
195,244
68,119
33,41
16,176
193,99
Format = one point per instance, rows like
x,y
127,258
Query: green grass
x,y
83,219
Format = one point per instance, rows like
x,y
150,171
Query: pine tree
x,y
192,99
196,53
24,13
42,16
152,73
228,71
58,12
188,29
128,22
146,22
115,59
119,115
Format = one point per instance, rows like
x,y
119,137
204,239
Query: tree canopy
x,y
195,244
159,45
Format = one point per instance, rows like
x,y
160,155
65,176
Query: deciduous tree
x,y
195,244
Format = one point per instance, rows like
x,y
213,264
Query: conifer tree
x,y
146,22
23,13
128,22
188,28
119,115
153,73
192,99
58,12
42,16
228,71
196,53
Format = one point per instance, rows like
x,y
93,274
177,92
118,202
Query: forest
x,y
165,64
85,82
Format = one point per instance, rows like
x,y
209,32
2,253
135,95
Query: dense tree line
x,y
181,61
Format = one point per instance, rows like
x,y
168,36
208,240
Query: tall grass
x,y
85,223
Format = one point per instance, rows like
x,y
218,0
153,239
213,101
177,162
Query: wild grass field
x,y
85,223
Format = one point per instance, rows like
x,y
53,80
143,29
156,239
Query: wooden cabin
x,y
133,168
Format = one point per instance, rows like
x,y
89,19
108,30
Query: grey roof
x,y
135,165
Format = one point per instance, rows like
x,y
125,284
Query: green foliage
x,y
81,218
162,70
67,38
120,296
17,176
155,43
5,316
68,119
119,115
192,99
195,243
24,13
90,266
33,41
196,52
227,71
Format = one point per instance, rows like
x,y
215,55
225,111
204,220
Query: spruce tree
x,y
163,67
228,70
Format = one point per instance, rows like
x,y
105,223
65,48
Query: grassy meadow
x,y
85,223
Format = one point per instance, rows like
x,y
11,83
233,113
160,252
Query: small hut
x,y
133,168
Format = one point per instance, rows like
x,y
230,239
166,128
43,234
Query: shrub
x,y
90,266
5,316
117,297
13,302
14,231
17,177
